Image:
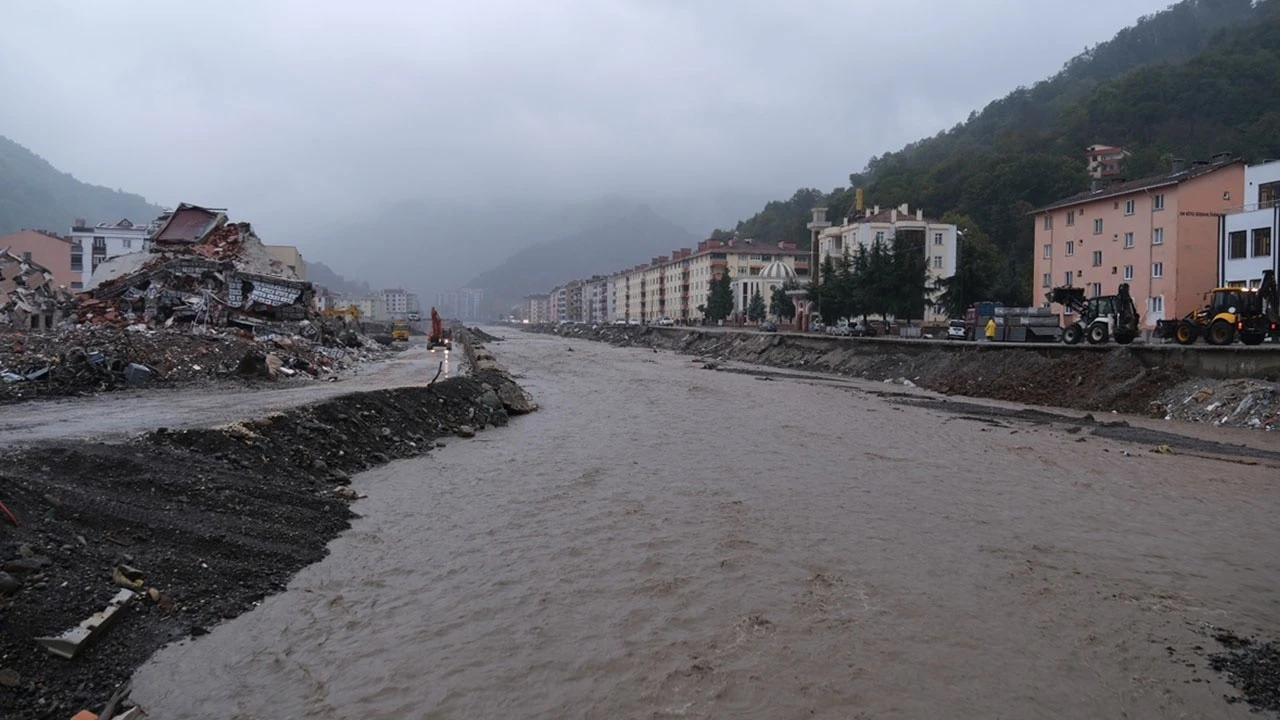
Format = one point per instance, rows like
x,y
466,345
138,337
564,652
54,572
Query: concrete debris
x,y
91,358
29,298
1241,402
69,644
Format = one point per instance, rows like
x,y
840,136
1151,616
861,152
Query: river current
x,y
664,541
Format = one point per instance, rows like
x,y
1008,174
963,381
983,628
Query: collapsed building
x,y
29,298
201,268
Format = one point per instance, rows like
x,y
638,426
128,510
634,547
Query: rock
x,y
319,465
9,678
491,400
23,565
466,431
53,501
8,584
380,458
385,432
515,400
439,444
274,363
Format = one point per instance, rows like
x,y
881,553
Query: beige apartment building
x,y
289,256
675,286
47,250
937,241
1159,234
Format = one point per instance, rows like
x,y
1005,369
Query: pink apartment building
x,y
1159,234
45,249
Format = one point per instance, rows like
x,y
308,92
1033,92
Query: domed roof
x,y
777,271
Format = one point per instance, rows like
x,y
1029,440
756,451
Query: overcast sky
x,y
280,109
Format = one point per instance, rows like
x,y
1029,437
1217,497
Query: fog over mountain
x,y
419,144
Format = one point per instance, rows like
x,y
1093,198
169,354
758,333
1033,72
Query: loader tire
x,y
1098,334
1221,332
1186,333
1072,335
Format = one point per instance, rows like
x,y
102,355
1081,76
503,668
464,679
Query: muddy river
x,y
664,541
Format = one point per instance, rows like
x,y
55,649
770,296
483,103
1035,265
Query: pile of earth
x,y
208,521
1111,380
87,359
483,336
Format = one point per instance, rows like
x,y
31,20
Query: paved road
x,y
118,416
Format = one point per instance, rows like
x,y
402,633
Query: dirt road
x,y
116,416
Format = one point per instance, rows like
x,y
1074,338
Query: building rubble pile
x,y
206,301
29,298
90,358
1239,402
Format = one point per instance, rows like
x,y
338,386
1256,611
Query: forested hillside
x,y
34,194
1193,80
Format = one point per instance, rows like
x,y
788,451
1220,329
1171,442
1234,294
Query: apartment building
x,y
290,258
1159,234
536,308
595,297
103,242
1247,235
47,250
678,285
937,241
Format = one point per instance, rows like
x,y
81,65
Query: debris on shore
x,y
1252,666
1241,402
200,525
1085,381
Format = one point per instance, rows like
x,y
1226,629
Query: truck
x,y
1250,314
1099,318
1013,324
400,331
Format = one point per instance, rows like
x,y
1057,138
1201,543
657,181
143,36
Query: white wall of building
x,y
1255,226
95,245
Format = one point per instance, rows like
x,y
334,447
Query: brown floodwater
x,y
663,541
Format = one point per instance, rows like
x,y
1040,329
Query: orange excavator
x,y
439,337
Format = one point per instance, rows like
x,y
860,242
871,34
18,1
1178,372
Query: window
x,y
937,261
1157,269
1237,244
1046,281
1071,247
880,236
1067,279
937,238
77,285
1268,194
1158,204
99,243
1071,218
1048,222
1128,207
1095,289
1128,239
1048,251
1097,258
1128,272
1157,235
1097,226
126,243
77,262
1262,242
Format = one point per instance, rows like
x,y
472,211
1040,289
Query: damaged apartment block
x,y
29,298
201,269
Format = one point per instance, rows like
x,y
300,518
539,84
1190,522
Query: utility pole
x,y
816,226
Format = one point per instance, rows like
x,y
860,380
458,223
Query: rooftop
x,y
1147,183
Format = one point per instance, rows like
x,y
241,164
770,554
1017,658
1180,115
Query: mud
x,y
1084,381
215,519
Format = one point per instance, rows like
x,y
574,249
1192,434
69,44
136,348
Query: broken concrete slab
x,y
70,643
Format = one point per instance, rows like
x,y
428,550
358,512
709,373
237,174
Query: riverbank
x,y
1114,379
201,523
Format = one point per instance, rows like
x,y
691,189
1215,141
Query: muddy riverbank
x,y
208,521
1114,380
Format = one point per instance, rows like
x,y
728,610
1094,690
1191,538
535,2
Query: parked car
x,y
768,326
956,330
664,320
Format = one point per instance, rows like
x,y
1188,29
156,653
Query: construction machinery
x,y
400,330
1099,318
439,337
1251,314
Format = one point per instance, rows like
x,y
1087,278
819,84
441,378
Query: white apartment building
x,y
91,246
1247,237
396,303
937,240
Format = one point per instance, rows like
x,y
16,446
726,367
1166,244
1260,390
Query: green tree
x,y
980,268
756,309
827,291
720,299
781,306
910,286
